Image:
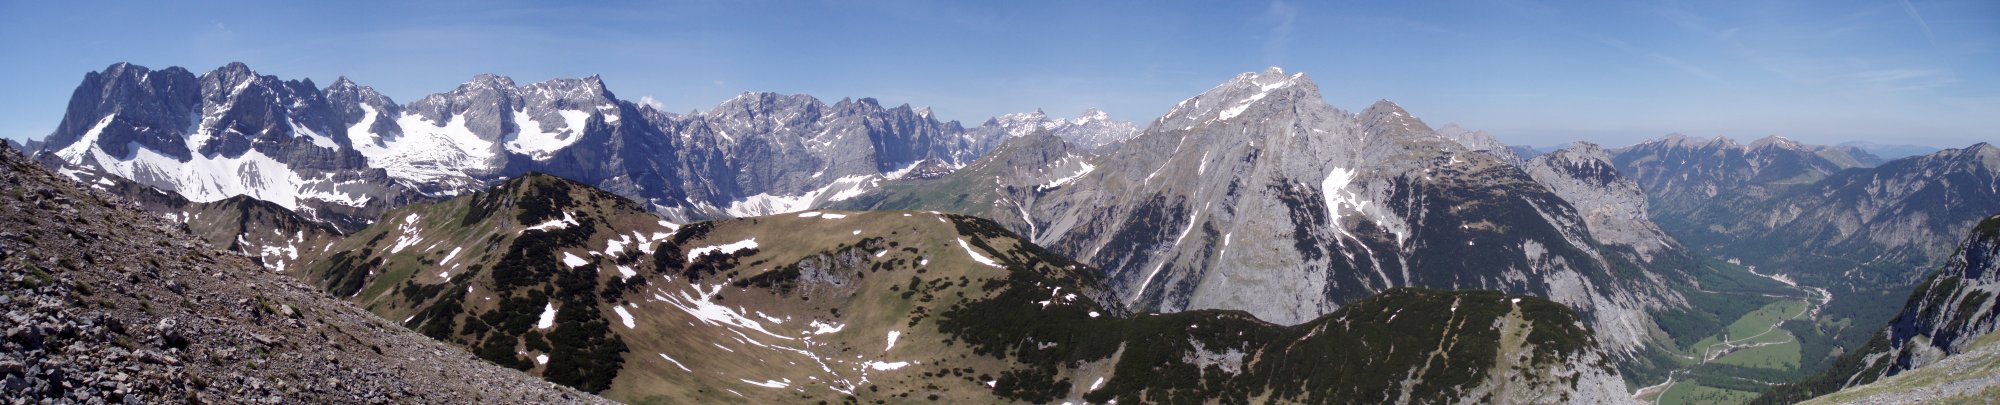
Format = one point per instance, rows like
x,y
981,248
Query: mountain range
x,y
1330,206
1241,246
343,154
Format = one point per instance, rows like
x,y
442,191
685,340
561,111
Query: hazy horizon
x,y
1898,73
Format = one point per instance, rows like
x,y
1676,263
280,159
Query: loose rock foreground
x,y
105,304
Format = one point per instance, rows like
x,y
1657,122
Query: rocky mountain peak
x,y
234,70
864,103
1986,154
1479,141
1386,118
1240,94
587,90
1776,142
751,104
1581,150
232,79
489,81
345,91
1089,115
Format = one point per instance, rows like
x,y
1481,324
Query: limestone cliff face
x,y
1951,310
1612,205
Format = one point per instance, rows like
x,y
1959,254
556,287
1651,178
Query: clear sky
x,y
1615,72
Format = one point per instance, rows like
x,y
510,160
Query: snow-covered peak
x,y
581,92
1236,96
1089,115
234,72
1385,117
757,104
344,83
1091,129
489,81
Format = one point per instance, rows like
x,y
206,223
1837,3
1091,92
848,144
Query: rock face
x,y
344,154
1613,206
107,304
588,290
225,133
1950,314
1258,196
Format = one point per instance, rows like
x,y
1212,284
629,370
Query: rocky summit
x,y
108,304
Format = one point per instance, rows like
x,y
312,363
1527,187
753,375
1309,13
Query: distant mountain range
x,y
345,153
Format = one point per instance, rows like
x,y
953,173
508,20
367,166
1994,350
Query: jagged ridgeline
x,y
344,153
1940,346
589,290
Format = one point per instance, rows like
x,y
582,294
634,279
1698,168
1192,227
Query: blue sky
x,y
1614,72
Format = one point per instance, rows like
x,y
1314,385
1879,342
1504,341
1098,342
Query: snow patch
x,y
530,139
975,255
568,220
449,256
624,316
731,248
572,261
821,328
548,316
677,363
1053,184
